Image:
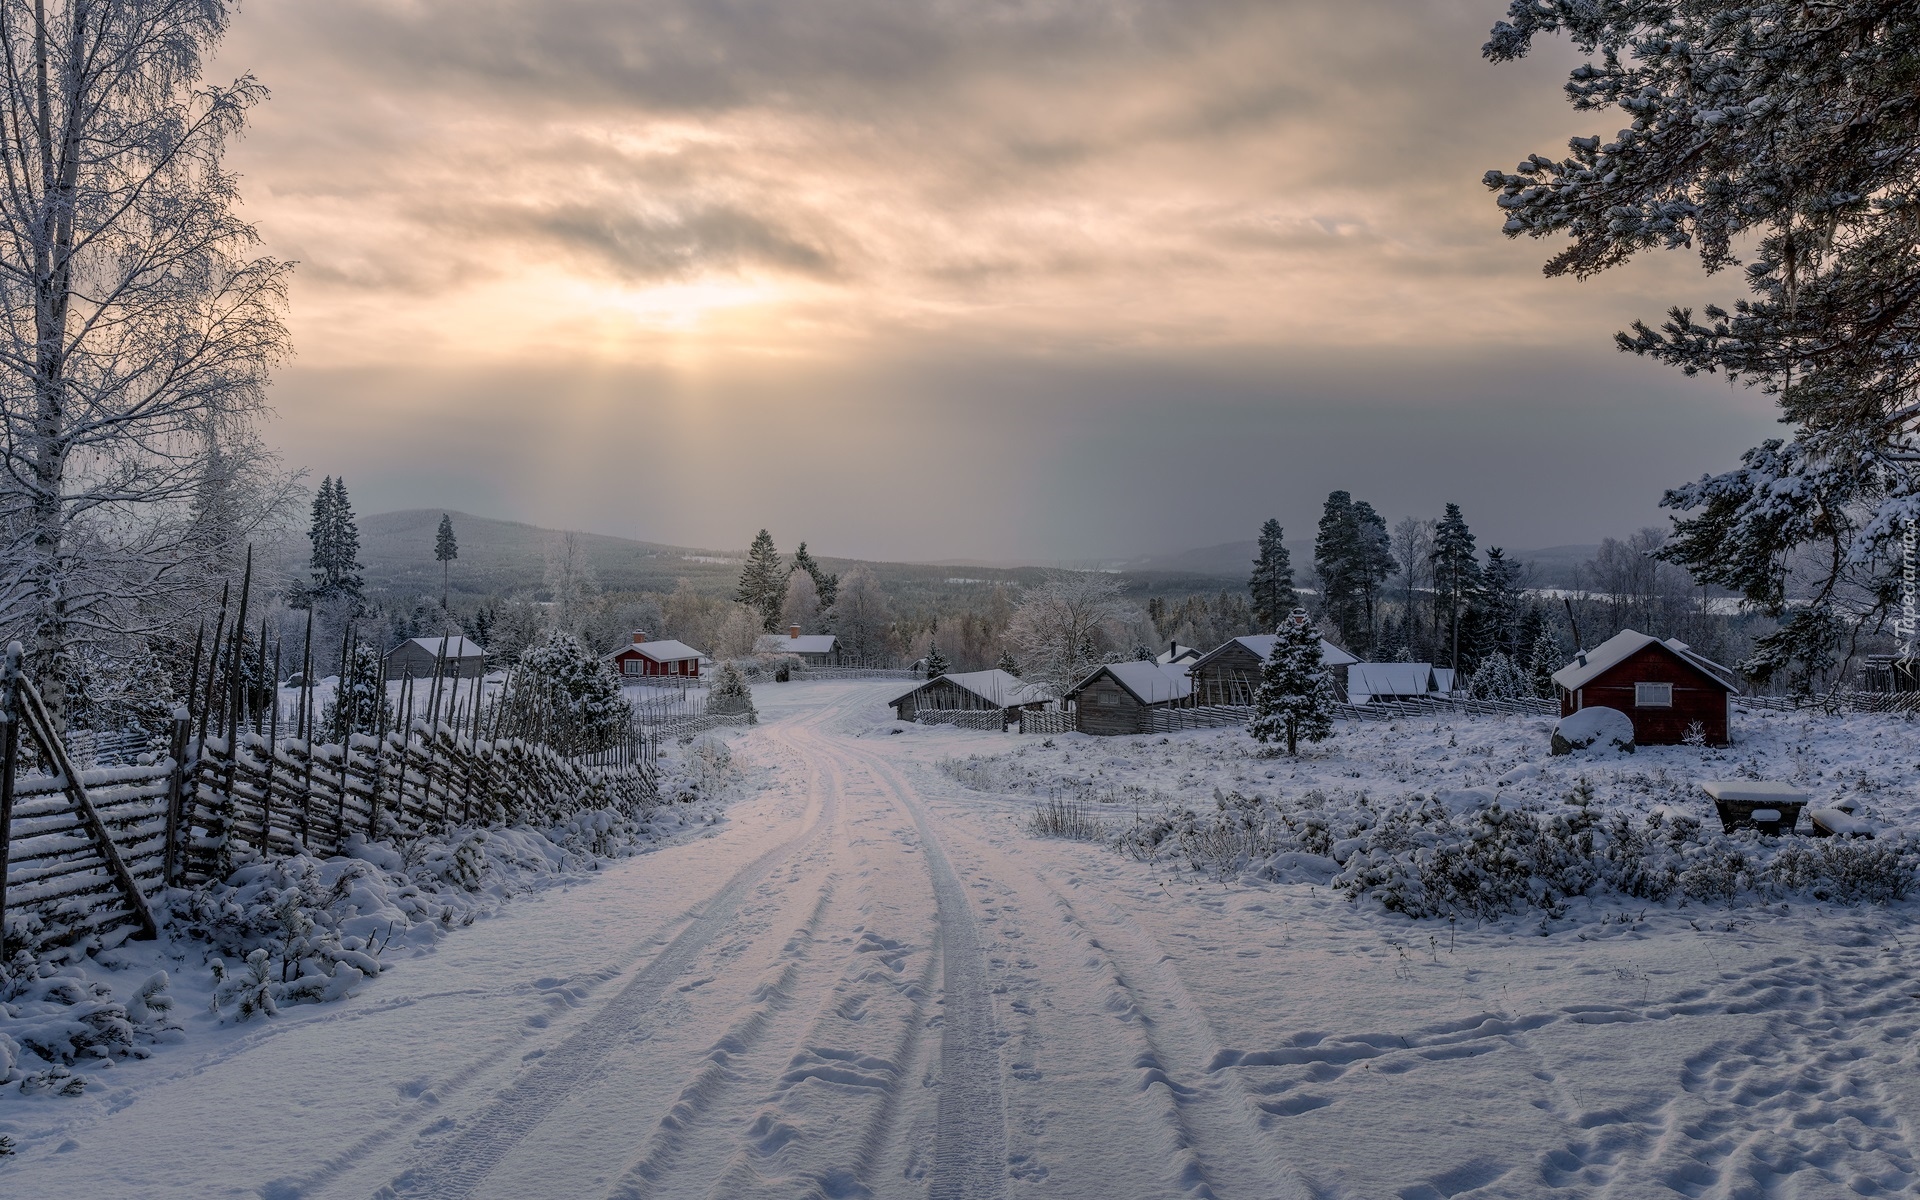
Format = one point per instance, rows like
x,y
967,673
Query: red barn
x,y
1663,686
644,658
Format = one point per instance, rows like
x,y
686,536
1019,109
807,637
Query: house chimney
x,y
793,631
639,635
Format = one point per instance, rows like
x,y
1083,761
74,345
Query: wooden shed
x,y
1663,686
644,659
1370,682
814,649
971,691
1117,698
1230,672
415,658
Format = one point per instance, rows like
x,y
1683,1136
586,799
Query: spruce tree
x,y
730,695
937,664
445,550
1779,138
1353,557
827,586
763,582
1272,582
336,545
1009,663
1543,660
1294,699
1456,573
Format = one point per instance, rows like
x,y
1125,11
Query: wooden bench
x,y
1769,808
1838,821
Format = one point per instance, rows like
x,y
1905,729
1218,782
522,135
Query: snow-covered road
x,y
872,981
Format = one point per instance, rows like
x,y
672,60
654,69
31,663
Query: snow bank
x,y
1599,726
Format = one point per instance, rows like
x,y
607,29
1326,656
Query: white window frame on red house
x,y
633,666
1653,695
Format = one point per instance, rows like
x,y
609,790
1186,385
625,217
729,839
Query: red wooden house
x,y
1664,687
644,658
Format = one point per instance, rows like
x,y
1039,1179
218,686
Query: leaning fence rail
x,y
185,819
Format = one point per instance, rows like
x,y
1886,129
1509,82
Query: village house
x,y
1368,683
643,659
1230,672
1117,698
1176,655
814,649
1664,687
457,658
971,691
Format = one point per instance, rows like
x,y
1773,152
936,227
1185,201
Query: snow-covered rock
x,y
1606,728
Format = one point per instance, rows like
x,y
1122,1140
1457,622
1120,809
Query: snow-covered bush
x,y
730,696
1594,726
55,1018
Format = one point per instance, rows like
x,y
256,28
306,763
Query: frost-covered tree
x,y
335,538
735,631
801,603
1779,137
937,664
1008,663
564,695
763,581
1352,556
1498,678
1294,699
571,583
826,586
862,620
1543,659
1272,582
360,703
1456,574
730,695
133,314
446,548
1063,626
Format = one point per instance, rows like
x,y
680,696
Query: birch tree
x,y
1063,627
134,314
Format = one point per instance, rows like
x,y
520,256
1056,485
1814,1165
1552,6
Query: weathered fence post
x,y
177,793
9,765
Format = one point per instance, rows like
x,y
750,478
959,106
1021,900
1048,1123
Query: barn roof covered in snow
x,y
996,687
1624,645
806,643
1261,646
665,650
1389,679
1147,682
456,647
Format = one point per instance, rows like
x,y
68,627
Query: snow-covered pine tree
x,y
445,549
937,664
335,536
360,703
763,581
571,700
1543,659
1456,574
1008,663
1776,137
1352,556
1294,699
1271,585
730,695
826,586
1498,678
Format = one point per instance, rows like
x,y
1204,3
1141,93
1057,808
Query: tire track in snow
x,y
833,1101
725,1067
970,1135
489,1136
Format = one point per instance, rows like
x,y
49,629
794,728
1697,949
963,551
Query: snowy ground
x,y
872,979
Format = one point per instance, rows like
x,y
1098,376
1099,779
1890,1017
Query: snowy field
x,y
873,978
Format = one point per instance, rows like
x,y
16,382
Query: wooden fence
x,y
993,720
85,849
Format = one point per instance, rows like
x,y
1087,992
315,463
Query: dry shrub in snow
x,y
1426,858
1066,819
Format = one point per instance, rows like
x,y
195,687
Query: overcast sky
x,y
1048,280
